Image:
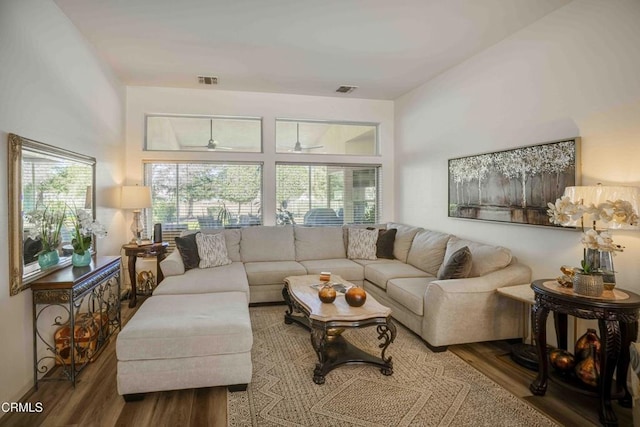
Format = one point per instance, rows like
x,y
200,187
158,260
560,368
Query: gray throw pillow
x,y
458,266
212,250
188,249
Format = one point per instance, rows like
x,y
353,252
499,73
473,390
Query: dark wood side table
x,y
131,250
617,319
93,291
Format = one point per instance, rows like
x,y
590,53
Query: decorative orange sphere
x,y
355,296
327,294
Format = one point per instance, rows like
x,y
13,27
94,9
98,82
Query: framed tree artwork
x,y
514,185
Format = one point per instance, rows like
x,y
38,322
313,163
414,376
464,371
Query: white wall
x,y
269,106
53,89
575,72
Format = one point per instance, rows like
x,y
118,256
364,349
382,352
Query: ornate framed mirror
x,y
43,179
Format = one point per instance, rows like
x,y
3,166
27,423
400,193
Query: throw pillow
x,y
362,243
386,239
458,266
188,249
212,250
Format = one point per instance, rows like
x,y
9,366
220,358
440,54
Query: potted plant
x,y
84,228
47,230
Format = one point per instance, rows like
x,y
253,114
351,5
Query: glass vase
x,y
48,259
608,275
81,260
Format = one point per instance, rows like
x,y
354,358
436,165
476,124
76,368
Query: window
x,y
307,137
205,133
189,196
319,195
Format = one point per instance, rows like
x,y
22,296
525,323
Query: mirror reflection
x,y
47,187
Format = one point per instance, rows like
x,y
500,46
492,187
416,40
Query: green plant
x,y
47,226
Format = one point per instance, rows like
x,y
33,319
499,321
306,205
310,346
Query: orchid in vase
x,y
47,230
596,243
84,228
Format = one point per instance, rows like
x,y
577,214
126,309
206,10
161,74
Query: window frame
x,y
378,148
145,143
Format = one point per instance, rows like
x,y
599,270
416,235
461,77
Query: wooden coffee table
x,y
326,322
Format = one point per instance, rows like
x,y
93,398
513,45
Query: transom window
x,y
322,137
203,133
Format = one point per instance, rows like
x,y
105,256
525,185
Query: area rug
x,y
426,388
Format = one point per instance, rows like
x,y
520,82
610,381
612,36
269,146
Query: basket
x,y
591,285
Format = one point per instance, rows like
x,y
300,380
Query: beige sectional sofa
x,y
442,312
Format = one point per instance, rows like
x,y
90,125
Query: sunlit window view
x,y
191,196
183,133
306,137
325,195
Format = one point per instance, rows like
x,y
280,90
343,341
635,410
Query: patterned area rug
x,y
426,389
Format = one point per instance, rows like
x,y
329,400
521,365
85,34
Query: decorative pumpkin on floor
x,y
355,296
562,360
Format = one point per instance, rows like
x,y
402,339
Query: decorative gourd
x,y
590,338
588,370
562,360
327,294
355,296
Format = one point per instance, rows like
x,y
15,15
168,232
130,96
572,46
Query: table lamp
x,y
136,197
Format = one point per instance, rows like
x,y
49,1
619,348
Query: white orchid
x,y
84,227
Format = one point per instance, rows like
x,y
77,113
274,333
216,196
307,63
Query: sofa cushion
x,y
404,237
362,243
385,243
409,292
272,272
231,237
318,243
458,266
345,268
212,250
177,326
484,258
427,250
231,277
267,243
380,273
188,250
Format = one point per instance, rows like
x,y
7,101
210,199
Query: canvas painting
x,y
513,185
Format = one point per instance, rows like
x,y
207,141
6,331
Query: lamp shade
x,y
135,197
597,194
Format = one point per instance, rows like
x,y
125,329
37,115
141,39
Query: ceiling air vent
x,y
346,89
207,80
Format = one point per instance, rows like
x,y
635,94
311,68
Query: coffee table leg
x,y
387,333
319,341
287,300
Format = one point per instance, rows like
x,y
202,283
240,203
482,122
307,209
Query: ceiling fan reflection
x,y
213,144
298,147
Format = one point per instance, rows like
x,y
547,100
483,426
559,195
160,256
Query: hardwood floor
x,y
95,401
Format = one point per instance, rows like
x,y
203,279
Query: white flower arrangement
x,y
564,212
84,227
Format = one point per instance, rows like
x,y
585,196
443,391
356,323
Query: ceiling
x,y
384,47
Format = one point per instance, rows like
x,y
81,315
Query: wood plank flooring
x,y
95,401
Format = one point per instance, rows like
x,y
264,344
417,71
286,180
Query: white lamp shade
x,y
135,197
596,194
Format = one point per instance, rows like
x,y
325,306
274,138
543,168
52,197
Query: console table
x,y
617,316
132,251
66,296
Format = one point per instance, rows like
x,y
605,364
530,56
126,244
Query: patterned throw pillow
x,y
362,243
188,249
458,265
212,250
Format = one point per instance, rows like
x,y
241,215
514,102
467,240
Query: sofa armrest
x,y
513,274
172,265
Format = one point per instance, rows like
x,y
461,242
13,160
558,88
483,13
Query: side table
x,y
617,314
523,354
93,290
132,250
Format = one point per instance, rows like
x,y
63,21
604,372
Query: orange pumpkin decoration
x,y
327,294
355,296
